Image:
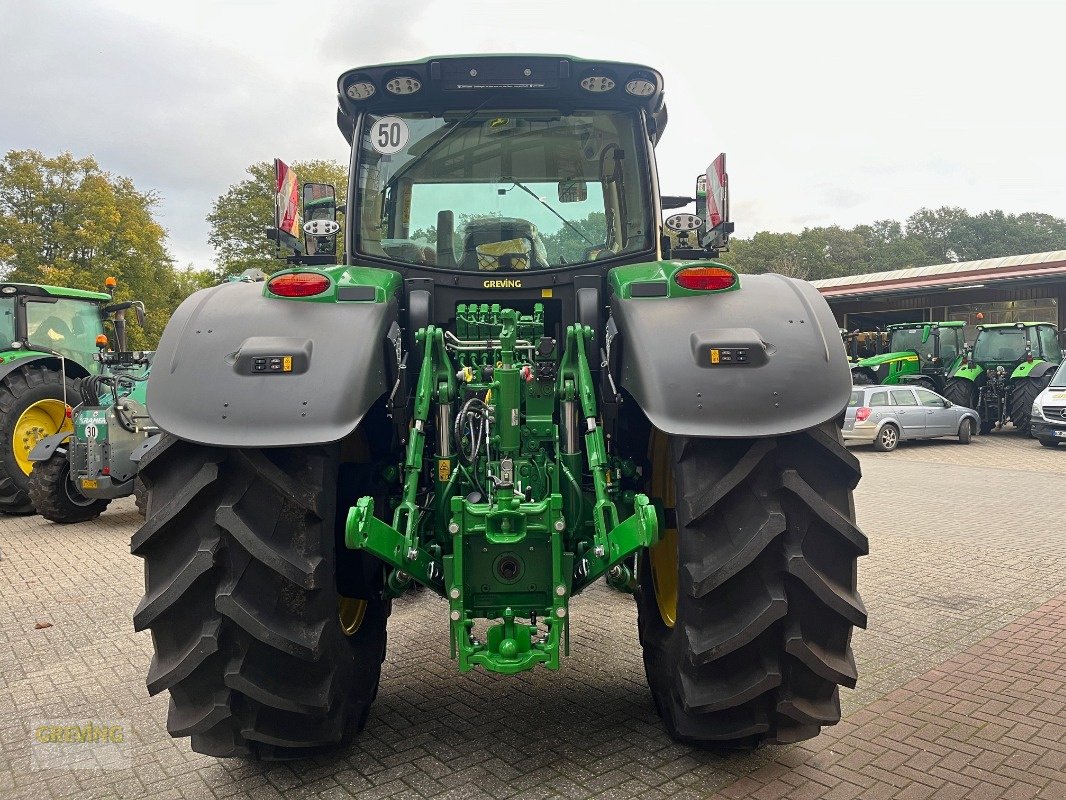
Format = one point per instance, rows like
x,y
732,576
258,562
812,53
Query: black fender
x,y
73,368
48,446
204,386
795,374
1042,369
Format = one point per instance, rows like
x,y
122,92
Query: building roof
x,y
958,275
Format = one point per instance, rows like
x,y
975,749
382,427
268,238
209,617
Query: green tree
x,y
64,221
240,217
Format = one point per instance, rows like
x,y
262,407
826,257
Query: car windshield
x,y
1059,381
911,339
999,344
501,191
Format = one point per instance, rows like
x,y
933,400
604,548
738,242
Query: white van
x,y
1049,411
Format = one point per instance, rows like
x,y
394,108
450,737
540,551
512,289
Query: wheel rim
x,y
39,421
888,436
351,612
663,554
73,494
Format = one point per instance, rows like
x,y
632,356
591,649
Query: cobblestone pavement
x,y
960,693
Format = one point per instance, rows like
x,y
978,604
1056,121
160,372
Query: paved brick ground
x,y
960,555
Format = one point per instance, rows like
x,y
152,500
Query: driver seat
x,y
507,243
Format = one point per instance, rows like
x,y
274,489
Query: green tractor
x,y
516,385
51,335
1010,364
920,353
79,471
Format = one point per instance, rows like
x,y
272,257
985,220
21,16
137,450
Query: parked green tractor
x,y
50,337
515,386
79,471
919,353
1010,364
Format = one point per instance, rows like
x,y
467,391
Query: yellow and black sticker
x,y
89,483
716,356
444,469
286,364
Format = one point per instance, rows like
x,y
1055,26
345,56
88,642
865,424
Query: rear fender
x,y
48,446
1036,369
205,387
969,373
796,374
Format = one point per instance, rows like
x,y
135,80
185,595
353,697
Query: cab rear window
x,y
856,399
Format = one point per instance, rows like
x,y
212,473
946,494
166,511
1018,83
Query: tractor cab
x,y
51,319
1009,344
918,352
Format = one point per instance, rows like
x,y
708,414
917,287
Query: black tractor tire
x,y
863,376
766,590
960,391
55,496
140,497
19,390
966,431
1049,442
240,554
1023,393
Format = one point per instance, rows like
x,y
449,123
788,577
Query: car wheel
x,y
887,438
965,431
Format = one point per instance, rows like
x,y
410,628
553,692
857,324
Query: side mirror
x,y
947,404
573,191
715,205
320,219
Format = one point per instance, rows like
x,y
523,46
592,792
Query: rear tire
x,y
1022,396
887,438
765,591
863,376
1049,442
19,390
960,391
54,495
240,555
966,431
140,497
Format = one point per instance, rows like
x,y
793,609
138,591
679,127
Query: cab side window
x,y
1049,345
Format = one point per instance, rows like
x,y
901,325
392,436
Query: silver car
x,y
886,415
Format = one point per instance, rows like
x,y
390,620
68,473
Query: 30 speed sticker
x,y
389,135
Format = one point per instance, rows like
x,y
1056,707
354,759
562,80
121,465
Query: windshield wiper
x,y
443,137
541,200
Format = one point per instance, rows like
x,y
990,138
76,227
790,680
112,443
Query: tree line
x,y
928,236
66,221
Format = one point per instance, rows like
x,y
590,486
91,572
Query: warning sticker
x,y
716,356
444,469
389,135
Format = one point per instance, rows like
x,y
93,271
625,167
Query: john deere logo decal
x,y
508,283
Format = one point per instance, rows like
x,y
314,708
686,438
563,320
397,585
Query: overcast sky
x,y
831,113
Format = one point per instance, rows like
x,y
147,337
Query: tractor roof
x,y
1000,325
914,325
44,290
448,83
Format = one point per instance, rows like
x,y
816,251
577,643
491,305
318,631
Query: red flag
x,y
286,203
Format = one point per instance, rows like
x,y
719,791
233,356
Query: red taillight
x,y
706,279
862,414
298,284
